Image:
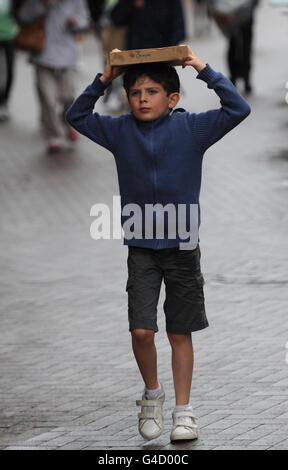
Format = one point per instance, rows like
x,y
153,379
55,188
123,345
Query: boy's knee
x,y
142,335
178,339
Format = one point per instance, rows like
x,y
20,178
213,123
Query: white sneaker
x,y
151,422
184,426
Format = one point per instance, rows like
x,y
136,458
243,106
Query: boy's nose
x,y
143,97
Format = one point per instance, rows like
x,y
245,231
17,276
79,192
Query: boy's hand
x,y
194,61
111,72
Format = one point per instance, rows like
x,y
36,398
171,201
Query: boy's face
x,y
149,100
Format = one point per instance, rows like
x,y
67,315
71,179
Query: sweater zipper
x,y
154,178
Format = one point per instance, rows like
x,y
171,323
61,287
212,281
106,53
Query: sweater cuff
x,y
207,74
98,85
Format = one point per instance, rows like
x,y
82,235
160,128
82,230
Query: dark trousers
x,y
7,52
240,52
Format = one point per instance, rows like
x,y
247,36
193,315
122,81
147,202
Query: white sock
x,y
152,394
178,408
187,407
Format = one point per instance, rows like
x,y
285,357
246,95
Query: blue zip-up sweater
x,y
160,161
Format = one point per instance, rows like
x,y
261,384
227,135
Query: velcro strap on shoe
x,y
148,402
147,415
185,413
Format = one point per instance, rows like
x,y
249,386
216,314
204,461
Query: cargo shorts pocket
x,y
200,280
200,288
129,284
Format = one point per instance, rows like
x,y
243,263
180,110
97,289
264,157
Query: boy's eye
x,y
136,92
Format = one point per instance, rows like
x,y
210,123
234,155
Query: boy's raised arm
x,y
81,116
110,73
211,126
194,61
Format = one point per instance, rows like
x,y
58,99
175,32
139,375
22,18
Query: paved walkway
x,y
68,377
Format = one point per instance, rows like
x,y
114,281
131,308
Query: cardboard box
x,y
174,55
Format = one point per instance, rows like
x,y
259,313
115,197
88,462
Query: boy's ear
x,y
173,99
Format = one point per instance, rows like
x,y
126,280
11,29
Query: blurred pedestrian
x,y
96,9
240,51
112,37
235,20
200,17
8,32
239,54
55,65
150,23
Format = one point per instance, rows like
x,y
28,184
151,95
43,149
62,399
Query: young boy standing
x,y
158,154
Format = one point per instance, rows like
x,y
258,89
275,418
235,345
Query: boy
x,y
158,154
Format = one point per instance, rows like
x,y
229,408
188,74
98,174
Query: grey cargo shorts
x,y
184,305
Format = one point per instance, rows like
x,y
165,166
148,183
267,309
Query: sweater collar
x,y
155,123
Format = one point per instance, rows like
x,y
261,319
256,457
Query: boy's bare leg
x,y
182,366
146,356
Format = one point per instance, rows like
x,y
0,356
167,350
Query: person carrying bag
x,y
31,36
230,14
235,19
56,62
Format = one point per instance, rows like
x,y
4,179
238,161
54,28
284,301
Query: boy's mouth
x,y
144,110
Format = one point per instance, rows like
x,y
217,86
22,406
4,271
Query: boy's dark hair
x,y
161,73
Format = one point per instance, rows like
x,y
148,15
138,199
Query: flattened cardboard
x,y
174,55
